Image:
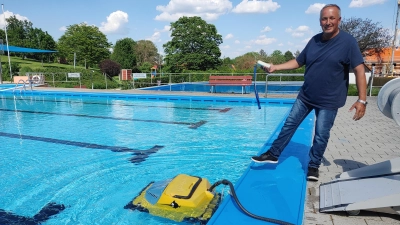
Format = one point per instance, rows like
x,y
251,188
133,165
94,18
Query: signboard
x,y
138,75
76,75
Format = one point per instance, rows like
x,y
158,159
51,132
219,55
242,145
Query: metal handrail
x,y
280,75
23,86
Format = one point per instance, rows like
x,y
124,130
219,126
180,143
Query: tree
x,y
277,57
88,43
3,35
288,56
18,31
297,53
145,52
110,67
15,67
41,40
22,33
248,60
194,45
124,53
159,60
263,53
369,35
145,67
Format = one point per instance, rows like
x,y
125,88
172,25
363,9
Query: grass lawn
x,y
36,64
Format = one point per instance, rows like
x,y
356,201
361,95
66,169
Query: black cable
x,y
227,182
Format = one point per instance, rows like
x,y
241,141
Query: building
x,y
382,62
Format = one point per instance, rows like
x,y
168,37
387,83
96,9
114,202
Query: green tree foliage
x,y
18,31
23,34
369,35
228,65
297,53
109,67
124,53
145,67
15,67
288,56
248,60
159,60
194,45
41,40
146,51
88,42
3,35
277,57
263,53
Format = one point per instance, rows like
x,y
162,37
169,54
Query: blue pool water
x,y
7,86
273,87
94,153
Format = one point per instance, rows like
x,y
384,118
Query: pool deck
x,y
353,144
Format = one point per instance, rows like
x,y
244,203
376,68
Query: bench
x,y
230,81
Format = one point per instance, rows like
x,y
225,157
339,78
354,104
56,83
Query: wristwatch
x,y
362,102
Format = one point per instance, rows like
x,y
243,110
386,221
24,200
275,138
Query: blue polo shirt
x,y
326,77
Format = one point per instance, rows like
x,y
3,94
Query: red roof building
x,y
383,60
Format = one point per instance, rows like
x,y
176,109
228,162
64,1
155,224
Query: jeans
x,y
323,124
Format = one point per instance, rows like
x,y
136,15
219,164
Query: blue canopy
x,y
25,50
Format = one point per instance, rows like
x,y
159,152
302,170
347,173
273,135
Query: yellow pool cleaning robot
x,y
186,198
183,198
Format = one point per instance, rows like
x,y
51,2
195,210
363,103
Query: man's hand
x,y
360,110
289,65
269,69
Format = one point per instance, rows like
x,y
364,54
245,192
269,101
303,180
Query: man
x,y
328,57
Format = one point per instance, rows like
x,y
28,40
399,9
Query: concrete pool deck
x,y
353,144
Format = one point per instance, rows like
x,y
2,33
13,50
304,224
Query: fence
x,y
281,75
91,79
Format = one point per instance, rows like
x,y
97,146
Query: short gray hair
x,y
331,5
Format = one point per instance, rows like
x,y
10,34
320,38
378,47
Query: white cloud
x,y
63,28
299,31
263,40
315,8
237,42
365,3
254,6
225,47
206,9
9,14
228,36
166,28
156,37
306,40
115,23
266,29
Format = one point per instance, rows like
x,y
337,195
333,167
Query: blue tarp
x,y
24,50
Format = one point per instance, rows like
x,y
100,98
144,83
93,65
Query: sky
x,y
245,25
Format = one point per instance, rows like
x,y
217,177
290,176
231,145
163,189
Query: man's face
x,y
330,20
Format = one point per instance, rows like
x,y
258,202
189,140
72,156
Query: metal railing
x,y
280,75
56,78
23,87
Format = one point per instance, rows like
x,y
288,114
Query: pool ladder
x,y
23,87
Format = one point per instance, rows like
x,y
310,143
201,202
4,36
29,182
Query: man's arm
x,y
361,83
289,65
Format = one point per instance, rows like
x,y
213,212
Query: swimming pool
x,y
273,87
94,152
8,86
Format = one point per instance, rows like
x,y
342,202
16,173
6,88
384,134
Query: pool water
x,y
95,154
8,86
273,87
